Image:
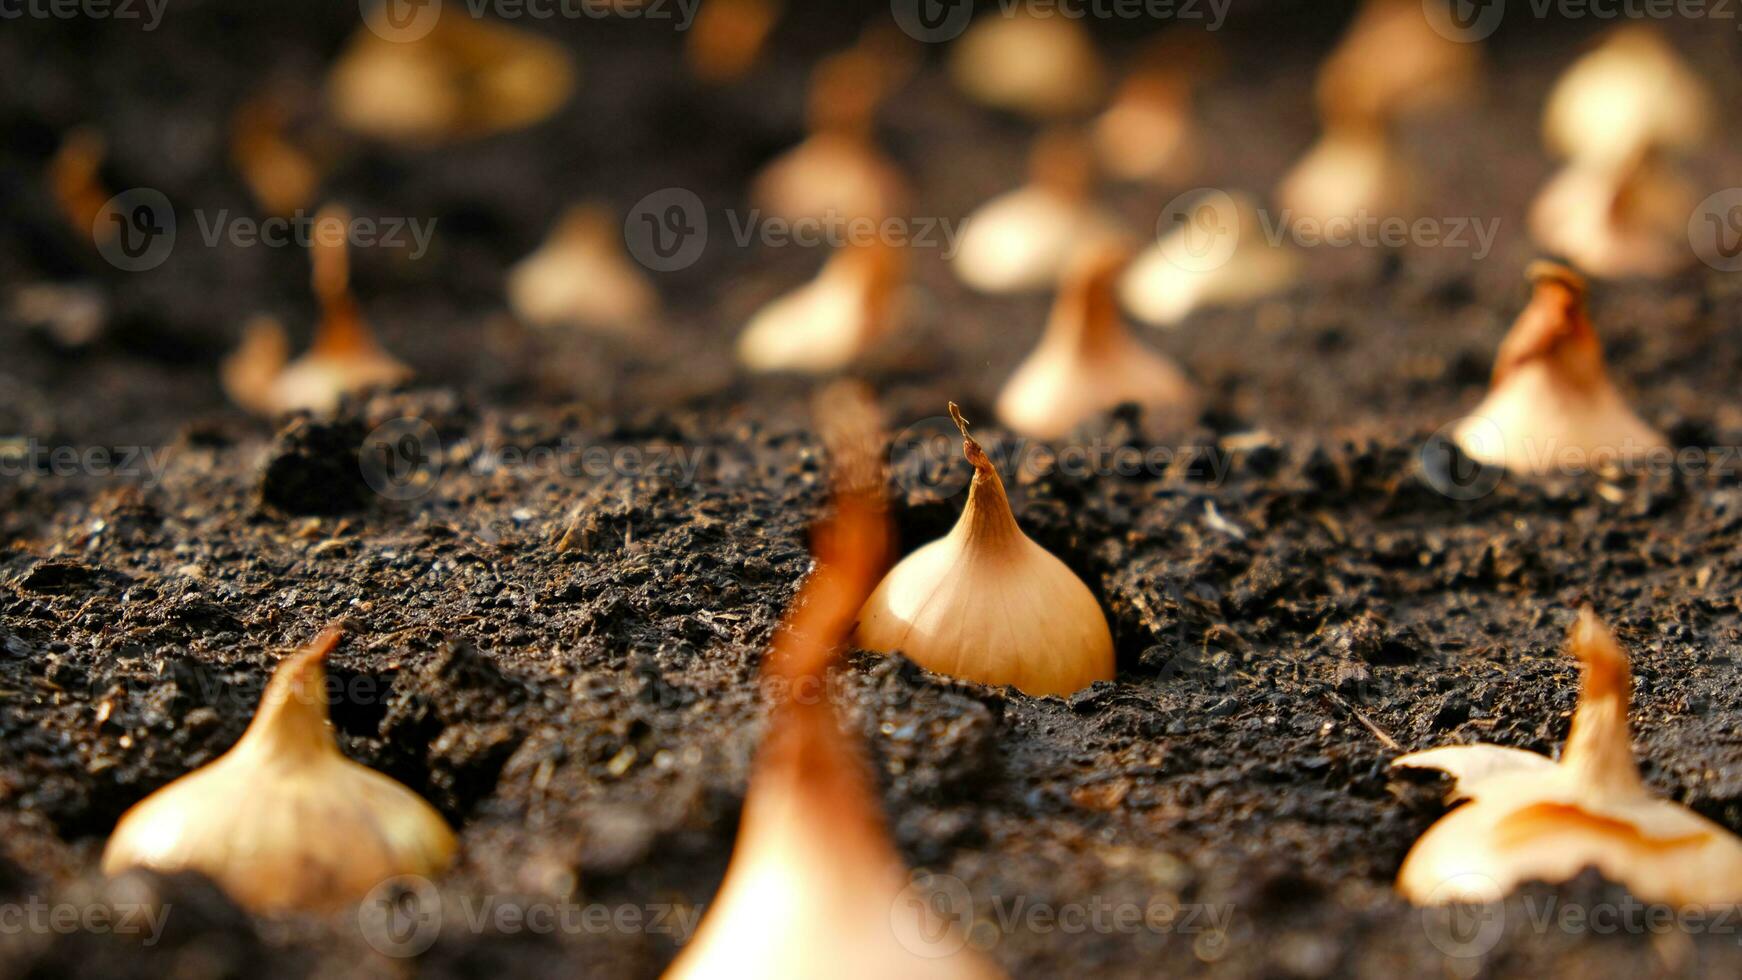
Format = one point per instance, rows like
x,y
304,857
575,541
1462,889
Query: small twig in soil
x,y
1378,733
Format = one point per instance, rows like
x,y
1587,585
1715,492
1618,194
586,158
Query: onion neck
x,y
1554,328
293,715
986,521
1598,751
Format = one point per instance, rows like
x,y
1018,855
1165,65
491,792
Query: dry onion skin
x,y
985,603
344,358
1024,239
283,822
830,322
814,887
464,79
1529,818
1169,281
581,278
1551,395
1044,67
1087,362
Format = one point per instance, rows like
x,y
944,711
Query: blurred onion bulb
x,y
1530,818
838,173
987,604
462,79
1087,362
1353,171
1631,92
1551,395
1040,66
580,278
727,38
283,821
1217,255
1615,220
1618,208
814,887
1393,62
1023,239
344,358
1148,132
831,321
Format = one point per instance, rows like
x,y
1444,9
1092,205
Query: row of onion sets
x,y
1620,117
814,878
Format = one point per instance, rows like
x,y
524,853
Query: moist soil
x,y
1293,601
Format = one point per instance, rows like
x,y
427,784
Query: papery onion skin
x,y
987,604
283,822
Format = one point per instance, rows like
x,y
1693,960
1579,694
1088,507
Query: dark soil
x,y
586,717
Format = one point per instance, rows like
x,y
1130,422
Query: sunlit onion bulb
x,y
1220,255
831,321
344,358
1040,66
1024,239
463,78
1529,818
1630,94
1087,362
580,278
985,603
1551,394
283,821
